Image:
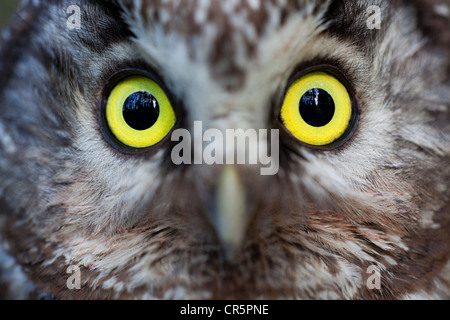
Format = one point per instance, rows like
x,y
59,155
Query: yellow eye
x,y
317,109
139,113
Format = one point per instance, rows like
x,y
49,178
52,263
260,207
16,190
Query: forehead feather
x,y
223,34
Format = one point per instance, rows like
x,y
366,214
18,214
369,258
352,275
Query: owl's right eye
x,y
318,110
138,112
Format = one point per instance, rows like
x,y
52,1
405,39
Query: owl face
x,y
91,99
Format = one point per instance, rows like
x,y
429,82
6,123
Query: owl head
x,y
110,109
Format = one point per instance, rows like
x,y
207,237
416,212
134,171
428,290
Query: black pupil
x,y
141,110
317,107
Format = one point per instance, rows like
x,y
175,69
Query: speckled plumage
x,y
135,224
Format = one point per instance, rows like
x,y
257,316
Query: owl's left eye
x,y
138,112
318,109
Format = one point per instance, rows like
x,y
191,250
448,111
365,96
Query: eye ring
x,y
335,120
134,90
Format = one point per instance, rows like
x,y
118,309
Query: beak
x,y
229,213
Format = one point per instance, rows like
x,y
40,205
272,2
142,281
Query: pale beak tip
x,y
230,217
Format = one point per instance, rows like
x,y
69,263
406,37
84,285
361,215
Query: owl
x,y
114,123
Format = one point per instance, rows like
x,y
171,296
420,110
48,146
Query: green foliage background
x,y
7,8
